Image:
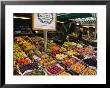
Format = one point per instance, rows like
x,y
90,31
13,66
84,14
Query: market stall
x,y
39,54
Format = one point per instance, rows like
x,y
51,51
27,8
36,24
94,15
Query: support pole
x,y
45,40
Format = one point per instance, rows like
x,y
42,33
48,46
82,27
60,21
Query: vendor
x,y
85,36
80,32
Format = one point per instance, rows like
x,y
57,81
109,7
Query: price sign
x,y
44,21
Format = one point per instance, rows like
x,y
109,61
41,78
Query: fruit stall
x,y
68,58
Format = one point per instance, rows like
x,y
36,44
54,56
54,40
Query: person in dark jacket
x,y
80,33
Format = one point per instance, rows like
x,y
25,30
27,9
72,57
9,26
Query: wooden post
x,y
45,41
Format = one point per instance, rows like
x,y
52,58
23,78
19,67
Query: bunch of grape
x,y
32,66
54,69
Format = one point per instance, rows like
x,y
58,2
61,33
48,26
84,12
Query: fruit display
x,y
23,61
38,53
78,67
61,56
64,73
26,45
62,49
35,72
69,61
18,55
86,51
55,48
89,71
80,57
72,52
91,62
80,49
37,41
68,43
17,52
56,60
25,67
79,45
47,62
16,48
54,69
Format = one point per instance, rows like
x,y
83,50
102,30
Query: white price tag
x,y
36,58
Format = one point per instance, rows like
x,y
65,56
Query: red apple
x,y
22,60
18,61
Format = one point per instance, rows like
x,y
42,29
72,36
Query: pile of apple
x,y
54,69
22,61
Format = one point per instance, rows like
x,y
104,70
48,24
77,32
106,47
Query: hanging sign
x,y
44,21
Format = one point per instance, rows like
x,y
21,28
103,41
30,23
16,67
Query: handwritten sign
x,y
44,21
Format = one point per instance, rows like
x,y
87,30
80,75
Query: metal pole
x,y
45,40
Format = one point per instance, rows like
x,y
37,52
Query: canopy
x,y
66,16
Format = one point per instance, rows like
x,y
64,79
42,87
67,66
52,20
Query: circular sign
x,y
46,18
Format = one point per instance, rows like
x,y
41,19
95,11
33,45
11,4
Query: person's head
x,y
81,29
88,31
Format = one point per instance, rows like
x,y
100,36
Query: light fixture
x,y
59,22
58,15
16,17
24,18
21,17
36,31
77,23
